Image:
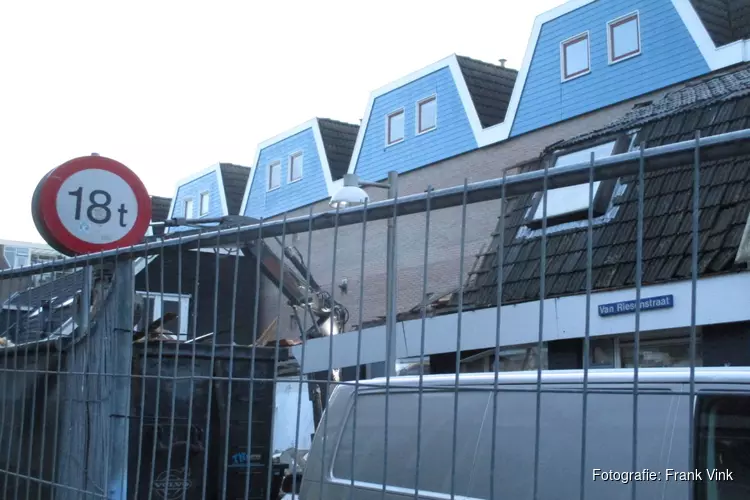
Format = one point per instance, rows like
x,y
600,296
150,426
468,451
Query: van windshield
x,y
723,448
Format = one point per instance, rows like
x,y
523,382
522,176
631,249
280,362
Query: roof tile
x,y
667,210
490,87
338,141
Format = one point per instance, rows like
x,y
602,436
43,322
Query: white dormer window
x,y
295,167
204,201
394,127
572,199
624,37
426,115
575,58
274,176
188,209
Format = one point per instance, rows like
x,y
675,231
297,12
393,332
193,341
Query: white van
x,y
348,462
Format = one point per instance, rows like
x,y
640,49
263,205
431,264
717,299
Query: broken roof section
x,y
713,106
696,94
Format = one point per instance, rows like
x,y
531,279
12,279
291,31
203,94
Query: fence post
x,y
121,356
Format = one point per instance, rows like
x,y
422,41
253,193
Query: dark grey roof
x,y
235,180
159,212
667,217
63,288
160,208
490,87
23,323
29,326
726,20
338,142
696,94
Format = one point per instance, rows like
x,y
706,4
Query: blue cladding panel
x,y
311,188
452,136
668,56
193,189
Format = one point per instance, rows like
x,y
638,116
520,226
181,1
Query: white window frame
x,y
571,191
635,15
418,113
563,58
271,166
184,301
388,117
207,196
185,203
298,154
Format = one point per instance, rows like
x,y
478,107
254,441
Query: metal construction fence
x,y
146,372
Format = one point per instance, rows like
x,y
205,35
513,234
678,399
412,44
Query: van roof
x,y
650,375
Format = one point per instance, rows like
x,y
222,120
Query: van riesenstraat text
x,y
666,475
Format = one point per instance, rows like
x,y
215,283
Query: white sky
x,y
171,87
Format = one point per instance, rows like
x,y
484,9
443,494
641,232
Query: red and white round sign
x,y
90,204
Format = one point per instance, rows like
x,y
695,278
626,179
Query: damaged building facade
x,y
667,112
597,76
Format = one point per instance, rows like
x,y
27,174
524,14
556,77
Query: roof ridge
x,y
337,122
226,164
496,66
694,94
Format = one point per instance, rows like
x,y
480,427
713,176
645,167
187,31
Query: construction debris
x,y
156,331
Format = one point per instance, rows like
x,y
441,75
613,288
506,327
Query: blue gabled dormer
x,y
298,167
435,113
214,192
590,54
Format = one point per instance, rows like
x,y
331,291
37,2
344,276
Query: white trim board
x,y
313,124
216,169
139,264
564,319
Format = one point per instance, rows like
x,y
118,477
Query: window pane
x,y
516,360
427,115
601,151
571,199
625,38
436,440
659,354
395,127
204,203
411,366
188,209
724,445
170,306
576,57
295,167
602,353
274,176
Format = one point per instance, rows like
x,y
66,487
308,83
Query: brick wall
x,y
445,228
